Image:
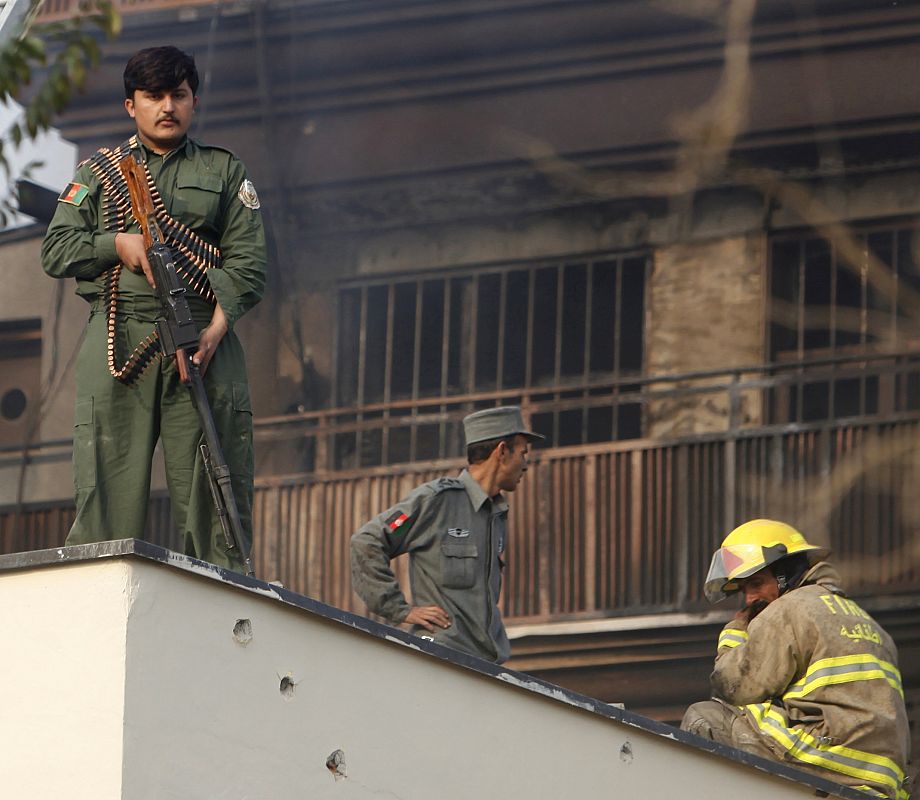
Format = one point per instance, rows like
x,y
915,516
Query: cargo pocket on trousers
x,y
458,565
84,446
242,428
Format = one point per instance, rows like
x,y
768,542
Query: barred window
x,y
552,333
829,301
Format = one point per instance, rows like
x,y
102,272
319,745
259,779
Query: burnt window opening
x,y
832,303
568,327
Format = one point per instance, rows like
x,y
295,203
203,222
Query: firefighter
x,y
803,675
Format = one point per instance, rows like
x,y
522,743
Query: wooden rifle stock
x,y
141,201
176,329
179,336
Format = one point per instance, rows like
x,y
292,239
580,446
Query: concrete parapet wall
x,y
142,674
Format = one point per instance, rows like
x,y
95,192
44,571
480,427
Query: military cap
x,y
496,423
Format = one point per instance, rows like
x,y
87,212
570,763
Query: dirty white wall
x,y
62,681
126,678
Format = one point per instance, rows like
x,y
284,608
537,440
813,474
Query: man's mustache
x,y
168,118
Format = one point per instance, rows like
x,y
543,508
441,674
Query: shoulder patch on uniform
x,y
445,484
396,520
75,194
247,195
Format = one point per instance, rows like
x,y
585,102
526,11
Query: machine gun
x,y
179,338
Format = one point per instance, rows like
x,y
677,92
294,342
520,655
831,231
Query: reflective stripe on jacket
x,y
818,677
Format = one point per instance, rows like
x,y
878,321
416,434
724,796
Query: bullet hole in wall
x,y
626,753
287,687
242,631
336,764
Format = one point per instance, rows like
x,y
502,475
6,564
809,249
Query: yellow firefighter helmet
x,y
751,547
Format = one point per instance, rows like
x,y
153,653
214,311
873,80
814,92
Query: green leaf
x,y
93,52
77,73
34,48
32,121
112,21
21,71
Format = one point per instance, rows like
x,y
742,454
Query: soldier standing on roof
x,y
802,675
454,530
128,396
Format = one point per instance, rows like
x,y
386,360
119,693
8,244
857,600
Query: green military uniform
x,y
455,536
812,681
122,412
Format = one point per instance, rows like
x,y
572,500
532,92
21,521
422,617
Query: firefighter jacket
x,y
818,679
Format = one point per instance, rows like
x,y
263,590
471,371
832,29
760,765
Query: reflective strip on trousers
x,y
806,748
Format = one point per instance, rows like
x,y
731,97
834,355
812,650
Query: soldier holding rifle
x,y
129,394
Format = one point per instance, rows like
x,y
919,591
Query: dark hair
x,y
159,69
478,452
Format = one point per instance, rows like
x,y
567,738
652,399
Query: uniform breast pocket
x,y
197,200
458,565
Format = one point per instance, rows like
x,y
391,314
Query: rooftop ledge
x,y
132,672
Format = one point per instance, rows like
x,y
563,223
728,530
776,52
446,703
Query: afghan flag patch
x,y
74,194
395,522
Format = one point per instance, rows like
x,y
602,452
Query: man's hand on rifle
x,y
133,254
209,338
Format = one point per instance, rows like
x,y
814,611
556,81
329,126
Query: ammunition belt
x,y
193,256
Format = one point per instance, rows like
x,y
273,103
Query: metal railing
x,y
868,385
629,528
618,528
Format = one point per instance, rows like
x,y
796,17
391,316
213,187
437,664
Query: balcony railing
x,y
630,528
864,386
612,529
